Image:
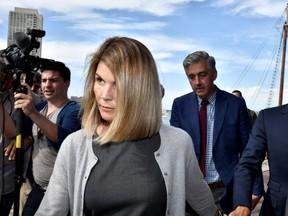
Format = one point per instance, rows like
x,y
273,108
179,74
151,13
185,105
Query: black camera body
x,y
18,61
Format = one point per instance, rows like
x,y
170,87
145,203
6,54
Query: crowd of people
x,y
113,155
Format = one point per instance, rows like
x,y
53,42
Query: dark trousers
x,y
33,201
6,203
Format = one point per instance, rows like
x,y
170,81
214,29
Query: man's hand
x,y
255,200
10,150
25,101
241,211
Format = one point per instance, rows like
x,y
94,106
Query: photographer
x,y
8,131
8,134
53,120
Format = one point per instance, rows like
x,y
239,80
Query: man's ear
x,y
215,75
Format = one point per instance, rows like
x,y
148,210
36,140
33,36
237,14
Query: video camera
x,y
18,61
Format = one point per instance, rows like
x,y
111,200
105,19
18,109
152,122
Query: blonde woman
x,y
125,161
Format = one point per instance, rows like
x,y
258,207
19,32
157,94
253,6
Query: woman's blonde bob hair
x,y
138,105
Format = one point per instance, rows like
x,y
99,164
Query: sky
x,y
243,36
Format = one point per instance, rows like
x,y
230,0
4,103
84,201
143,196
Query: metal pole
x,y
19,160
283,61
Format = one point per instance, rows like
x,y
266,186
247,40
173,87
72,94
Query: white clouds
x,y
166,27
170,95
117,25
256,97
3,43
168,43
163,48
73,54
266,8
155,7
86,8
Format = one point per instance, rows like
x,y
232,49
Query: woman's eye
x,y
99,80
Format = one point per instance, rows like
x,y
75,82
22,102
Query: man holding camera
x,y
53,120
8,134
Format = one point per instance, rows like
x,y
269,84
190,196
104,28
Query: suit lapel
x,y
193,103
219,115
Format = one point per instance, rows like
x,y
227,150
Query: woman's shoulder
x,y
172,131
79,133
75,139
175,143
174,136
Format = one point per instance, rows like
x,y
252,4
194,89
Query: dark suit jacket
x,y
286,210
270,132
232,127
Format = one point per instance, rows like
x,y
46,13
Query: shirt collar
x,y
211,100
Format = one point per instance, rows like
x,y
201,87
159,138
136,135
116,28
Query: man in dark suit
x,y
228,127
269,133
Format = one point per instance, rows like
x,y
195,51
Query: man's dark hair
x,y
198,56
37,77
237,91
61,68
